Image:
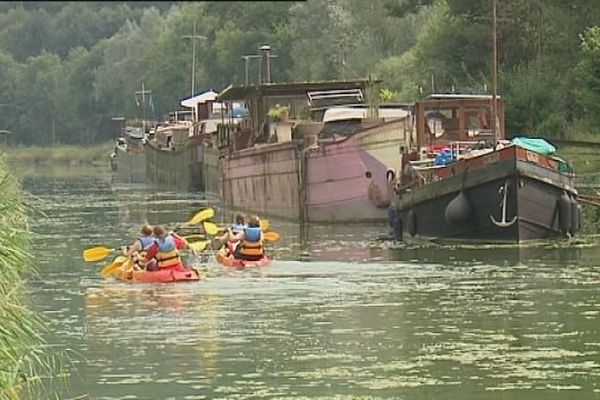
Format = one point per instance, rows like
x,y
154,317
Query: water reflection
x,y
338,315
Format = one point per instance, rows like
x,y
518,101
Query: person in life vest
x,y
239,224
249,242
165,250
137,250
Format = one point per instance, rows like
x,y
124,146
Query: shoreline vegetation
x,y
67,88
27,368
67,155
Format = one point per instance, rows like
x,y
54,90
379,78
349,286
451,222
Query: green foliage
x,y
386,95
278,113
26,364
588,75
66,68
531,101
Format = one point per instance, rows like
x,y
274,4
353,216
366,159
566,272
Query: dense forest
x,y
67,68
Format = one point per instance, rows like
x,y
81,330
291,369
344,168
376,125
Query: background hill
x,y
66,68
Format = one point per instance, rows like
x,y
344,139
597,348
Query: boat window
x,y
478,121
442,121
345,128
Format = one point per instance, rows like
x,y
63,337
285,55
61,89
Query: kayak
x,y
230,261
161,276
125,273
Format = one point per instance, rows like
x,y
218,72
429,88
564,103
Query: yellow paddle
x,y
271,236
111,268
198,246
264,224
200,216
97,253
210,228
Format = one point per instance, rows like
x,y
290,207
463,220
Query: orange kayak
x,y
230,261
161,276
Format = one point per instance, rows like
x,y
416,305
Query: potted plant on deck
x,y
279,113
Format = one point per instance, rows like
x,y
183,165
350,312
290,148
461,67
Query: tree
x,y
9,99
40,119
587,90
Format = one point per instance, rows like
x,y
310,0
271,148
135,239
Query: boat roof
x,y
346,113
191,102
454,96
289,89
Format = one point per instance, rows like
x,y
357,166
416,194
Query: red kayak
x,y
230,261
161,276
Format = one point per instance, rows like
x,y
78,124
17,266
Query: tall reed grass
x,y
27,367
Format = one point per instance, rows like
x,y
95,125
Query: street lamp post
x,y
193,37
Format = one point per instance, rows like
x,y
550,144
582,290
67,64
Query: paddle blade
x,y
198,246
200,216
216,244
271,236
210,228
111,268
96,253
194,237
264,224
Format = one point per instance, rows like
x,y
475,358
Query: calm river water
x,y
338,315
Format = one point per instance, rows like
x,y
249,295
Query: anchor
x,y
503,223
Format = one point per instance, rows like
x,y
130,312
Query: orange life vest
x,y
167,255
252,246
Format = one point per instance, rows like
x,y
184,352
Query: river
x,y
338,314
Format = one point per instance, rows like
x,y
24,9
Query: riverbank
x,y
25,364
68,155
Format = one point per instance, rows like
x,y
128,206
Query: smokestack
x,y
265,68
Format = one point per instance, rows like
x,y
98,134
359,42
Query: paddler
x,y
248,244
165,250
136,252
239,224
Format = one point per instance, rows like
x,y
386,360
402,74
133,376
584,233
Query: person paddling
x,y
248,243
136,251
165,250
239,224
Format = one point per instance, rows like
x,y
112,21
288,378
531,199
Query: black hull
x,y
540,204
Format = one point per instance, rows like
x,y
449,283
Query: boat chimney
x,y
265,67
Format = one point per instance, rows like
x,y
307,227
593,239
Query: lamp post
x,y
193,37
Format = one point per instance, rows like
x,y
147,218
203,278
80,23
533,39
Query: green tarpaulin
x,y
534,144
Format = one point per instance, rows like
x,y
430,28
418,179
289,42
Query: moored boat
x,y
128,158
311,151
180,154
463,181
